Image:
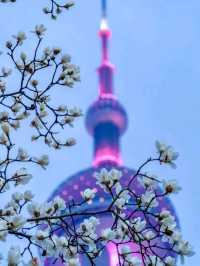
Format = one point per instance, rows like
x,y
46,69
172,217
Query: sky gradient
x,y
155,47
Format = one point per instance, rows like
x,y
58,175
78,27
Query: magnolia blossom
x,y
129,258
154,260
21,177
184,248
108,234
20,37
149,199
170,261
88,194
139,224
3,230
16,222
14,256
122,199
149,234
6,71
2,86
148,181
35,209
107,179
58,203
28,195
171,186
43,160
167,154
3,185
5,128
39,30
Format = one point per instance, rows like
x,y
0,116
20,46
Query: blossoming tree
x,y
36,224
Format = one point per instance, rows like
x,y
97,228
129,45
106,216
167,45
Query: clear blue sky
x,y
155,46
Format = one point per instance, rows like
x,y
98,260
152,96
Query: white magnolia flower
x,y
167,221
149,234
3,185
132,260
22,154
3,230
167,154
17,196
62,108
62,243
43,160
36,123
5,128
16,222
149,199
40,30
14,256
125,250
138,224
148,181
122,230
107,179
28,195
21,177
88,228
184,248
108,234
41,235
171,186
170,261
65,59
3,139
122,199
154,260
14,205
68,120
2,86
9,211
75,111
4,116
70,75
58,203
16,107
70,141
88,194
23,56
73,262
6,71
20,37
35,209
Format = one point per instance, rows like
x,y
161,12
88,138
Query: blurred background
x,y
155,47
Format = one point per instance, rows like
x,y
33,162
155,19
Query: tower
x,y
106,121
106,118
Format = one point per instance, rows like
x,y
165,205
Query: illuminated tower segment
x,y
106,120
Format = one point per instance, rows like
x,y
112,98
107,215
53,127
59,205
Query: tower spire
x,y
104,8
106,119
106,68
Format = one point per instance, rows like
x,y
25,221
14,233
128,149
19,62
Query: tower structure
x,y
106,121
